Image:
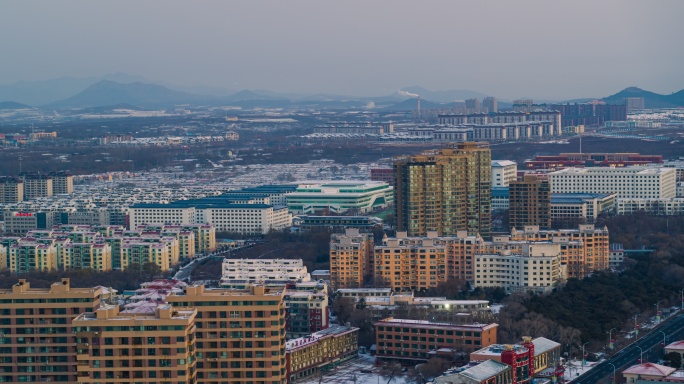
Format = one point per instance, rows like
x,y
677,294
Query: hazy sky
x,y
509,49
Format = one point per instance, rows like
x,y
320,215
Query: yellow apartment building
x,y
116,347
36,339
351,256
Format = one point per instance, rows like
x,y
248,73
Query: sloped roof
x,y
678,345
649,369
485,370
542,344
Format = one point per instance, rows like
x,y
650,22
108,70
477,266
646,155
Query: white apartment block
x,y
656,206
237,273
627,183
503,172
538,268
226,217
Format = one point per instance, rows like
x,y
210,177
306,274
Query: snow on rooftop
x,y
650,369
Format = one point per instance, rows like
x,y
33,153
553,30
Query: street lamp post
x,y
636,330
682,293
641,356
657,305
663,338
614,374
583,352
610,338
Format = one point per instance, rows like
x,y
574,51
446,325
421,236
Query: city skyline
x,y
510,50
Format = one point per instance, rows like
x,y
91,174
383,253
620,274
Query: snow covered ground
x,y
574,368
350,370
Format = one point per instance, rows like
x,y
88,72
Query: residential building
x,y
339,197
446,190
651,372
11,190
500,199
326,349
634,104
351,256
583,250
491,104
552,117
36,185
218,211
537,269
4,257
385,175
38,342
592,114
530,202
582,207
119,347
654,206
86,256
26,256
472,105
306,308
589,160
62,183
416,265
617,255
370,128
138,253
503,172
241,273
240,333
411,340
627,183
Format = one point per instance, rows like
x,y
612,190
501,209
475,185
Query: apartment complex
x,y
339,196
29,255
241,273
62,183
19,223
611,160
581,206
627,183
351,255
38,342
221,212
86,256
306,308
308,355
530,202
445,190
503,172
536,269
36,185
552,117
11,190
119,347
240,334
412,340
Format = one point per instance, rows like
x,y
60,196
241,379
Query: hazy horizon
x,y
528,48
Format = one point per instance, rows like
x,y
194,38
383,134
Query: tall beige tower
x,y
445,190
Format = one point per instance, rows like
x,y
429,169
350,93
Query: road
x,y
673,329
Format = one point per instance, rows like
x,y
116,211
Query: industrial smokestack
x,y
419,107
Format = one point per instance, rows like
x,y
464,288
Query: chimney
x,y
419,107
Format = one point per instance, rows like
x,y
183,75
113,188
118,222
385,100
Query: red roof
x,y
650,369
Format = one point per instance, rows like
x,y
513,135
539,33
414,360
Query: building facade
x,y
11,190
37,185
446,190
241,273
627,183
340,196
503,172
351,255
612,160
38,342
412,340
530,202
308,355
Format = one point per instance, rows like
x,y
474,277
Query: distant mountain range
x,y
651,99
120,88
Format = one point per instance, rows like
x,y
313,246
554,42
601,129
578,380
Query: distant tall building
x,y
634,103
62,183
490,104
473,104
590,114
522,104
37,185
445,190
530,202
11,190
